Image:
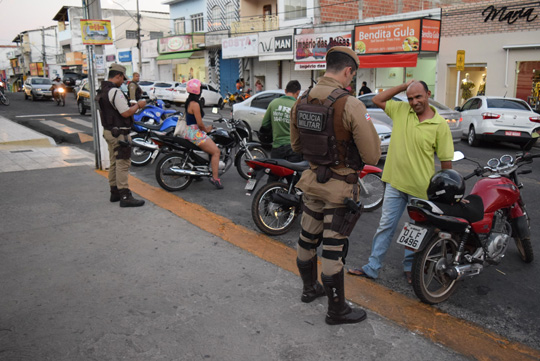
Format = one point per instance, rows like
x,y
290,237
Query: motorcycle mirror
x,y
458,156
215,110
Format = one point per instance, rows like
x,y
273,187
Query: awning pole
x,y
457,87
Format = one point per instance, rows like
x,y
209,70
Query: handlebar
x,y
520,160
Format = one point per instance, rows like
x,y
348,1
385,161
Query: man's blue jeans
x,y
393,206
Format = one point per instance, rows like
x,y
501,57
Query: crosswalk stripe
x,y
79,121
60,126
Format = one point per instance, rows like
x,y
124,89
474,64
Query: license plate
x,y
250,185
411,236
512,134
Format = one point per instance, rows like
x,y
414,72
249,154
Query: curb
x,y
14,134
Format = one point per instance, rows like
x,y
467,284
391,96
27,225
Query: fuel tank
x,y
496,192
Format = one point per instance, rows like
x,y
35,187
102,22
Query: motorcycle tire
x,y
524,245
430,283
4,100
63,101
82,109
255,152
371,191
272,218
140,157
166,178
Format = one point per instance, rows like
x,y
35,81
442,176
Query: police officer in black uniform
x,y
134,90
117,118
335,134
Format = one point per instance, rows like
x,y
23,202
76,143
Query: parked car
x,y
164,90
209,96
83,97
37,88
252,111
453,117
499,119
72,79
146,85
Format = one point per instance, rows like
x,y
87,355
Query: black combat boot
x,y
308,272
339,311
127,199
115,194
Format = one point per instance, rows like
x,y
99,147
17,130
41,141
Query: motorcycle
x,y
152,113
60,96
229,99
177,169
452,242
3,99
277,204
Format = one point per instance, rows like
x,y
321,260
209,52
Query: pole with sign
x,y
460,66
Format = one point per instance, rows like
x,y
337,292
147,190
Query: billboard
x,y
96,32
310,49
175,44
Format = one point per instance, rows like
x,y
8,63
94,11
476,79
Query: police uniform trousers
x,y
119,159
320,204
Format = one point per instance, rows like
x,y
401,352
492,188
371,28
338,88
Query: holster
x,y
343,220
324,174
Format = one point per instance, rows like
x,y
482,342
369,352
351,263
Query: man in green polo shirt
x,y
277,120
418,133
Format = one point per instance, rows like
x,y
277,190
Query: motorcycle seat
x,y
299,167
148,126
472,211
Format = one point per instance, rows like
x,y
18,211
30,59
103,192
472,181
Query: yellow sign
x,y
460,60
96,32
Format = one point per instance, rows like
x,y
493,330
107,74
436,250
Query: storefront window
x,y
528,83
295,9
473,81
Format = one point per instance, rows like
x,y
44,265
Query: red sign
x,y
431,33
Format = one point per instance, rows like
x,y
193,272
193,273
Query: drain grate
x,y
77,160
21,151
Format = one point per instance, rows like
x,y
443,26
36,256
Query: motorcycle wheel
x,y
63,101
4,100
169,180
371,191
140,157
429,281
270,217
256,153
524,245
82,109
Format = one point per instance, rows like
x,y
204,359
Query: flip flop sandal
x,y
358,272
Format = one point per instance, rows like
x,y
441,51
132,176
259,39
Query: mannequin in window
x,y
466,86
482,87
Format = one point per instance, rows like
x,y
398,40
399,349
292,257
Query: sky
x,y
21,15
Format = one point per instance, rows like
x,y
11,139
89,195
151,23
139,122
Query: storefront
x,y
181,59
245,50
275,53
502,52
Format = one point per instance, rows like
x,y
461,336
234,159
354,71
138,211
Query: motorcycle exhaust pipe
x,y
144,144
186,172
461,271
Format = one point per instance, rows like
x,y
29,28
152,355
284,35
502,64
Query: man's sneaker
x,y
216,183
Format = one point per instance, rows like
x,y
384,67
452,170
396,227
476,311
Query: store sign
x,y
110,58
397,36
460,60
431,33
276,45
74,58
175,44
149,49
124,56
96,32
510,16
240,47
310,49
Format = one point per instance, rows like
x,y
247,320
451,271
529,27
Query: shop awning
x,y
388,61
184,55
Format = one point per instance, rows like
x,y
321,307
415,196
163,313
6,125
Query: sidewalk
x,y
83,279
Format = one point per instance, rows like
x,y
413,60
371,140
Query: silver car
x,y
453,117
252,111
37,88
499,119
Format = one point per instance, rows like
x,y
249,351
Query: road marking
x,y
44,115
60,126
79,121
460,335
85,138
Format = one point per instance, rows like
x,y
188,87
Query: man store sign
x,y
276,45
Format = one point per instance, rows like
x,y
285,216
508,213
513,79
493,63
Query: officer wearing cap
x,y
117,118
334,132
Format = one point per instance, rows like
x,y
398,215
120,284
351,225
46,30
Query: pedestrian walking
x,y
418,133
364,89
334,132
117,118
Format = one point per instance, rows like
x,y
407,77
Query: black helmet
x,y
446,186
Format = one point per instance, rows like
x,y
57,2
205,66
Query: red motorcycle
x,y
277,204
454,241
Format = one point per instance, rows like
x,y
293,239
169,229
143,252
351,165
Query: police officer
x,y
117,118
134,90
334,132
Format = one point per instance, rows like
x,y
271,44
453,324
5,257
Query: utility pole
x,y
139,37
43,54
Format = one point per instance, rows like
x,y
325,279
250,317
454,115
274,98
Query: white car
x,y
209,95
252,111
146,85
163,90
499,119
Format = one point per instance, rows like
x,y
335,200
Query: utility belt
x,y
324,174
116,131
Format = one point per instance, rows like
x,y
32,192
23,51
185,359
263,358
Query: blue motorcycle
x,y
153,113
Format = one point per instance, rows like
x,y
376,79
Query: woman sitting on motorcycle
x,y
196,130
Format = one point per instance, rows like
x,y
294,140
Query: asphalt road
x,y
504,298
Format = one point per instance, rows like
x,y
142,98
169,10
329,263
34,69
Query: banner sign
x,y
124,56
397,36
240,47
96,32
110,58
149,49
276,45
310,49
175,44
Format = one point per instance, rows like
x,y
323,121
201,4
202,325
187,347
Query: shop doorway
x,y
473,81
528,83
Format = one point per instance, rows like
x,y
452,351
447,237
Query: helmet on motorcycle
x,y
446,186
194,86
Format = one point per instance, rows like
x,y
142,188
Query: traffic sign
x,y
460,60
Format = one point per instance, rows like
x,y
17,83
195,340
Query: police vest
x,y
325,142
110,117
